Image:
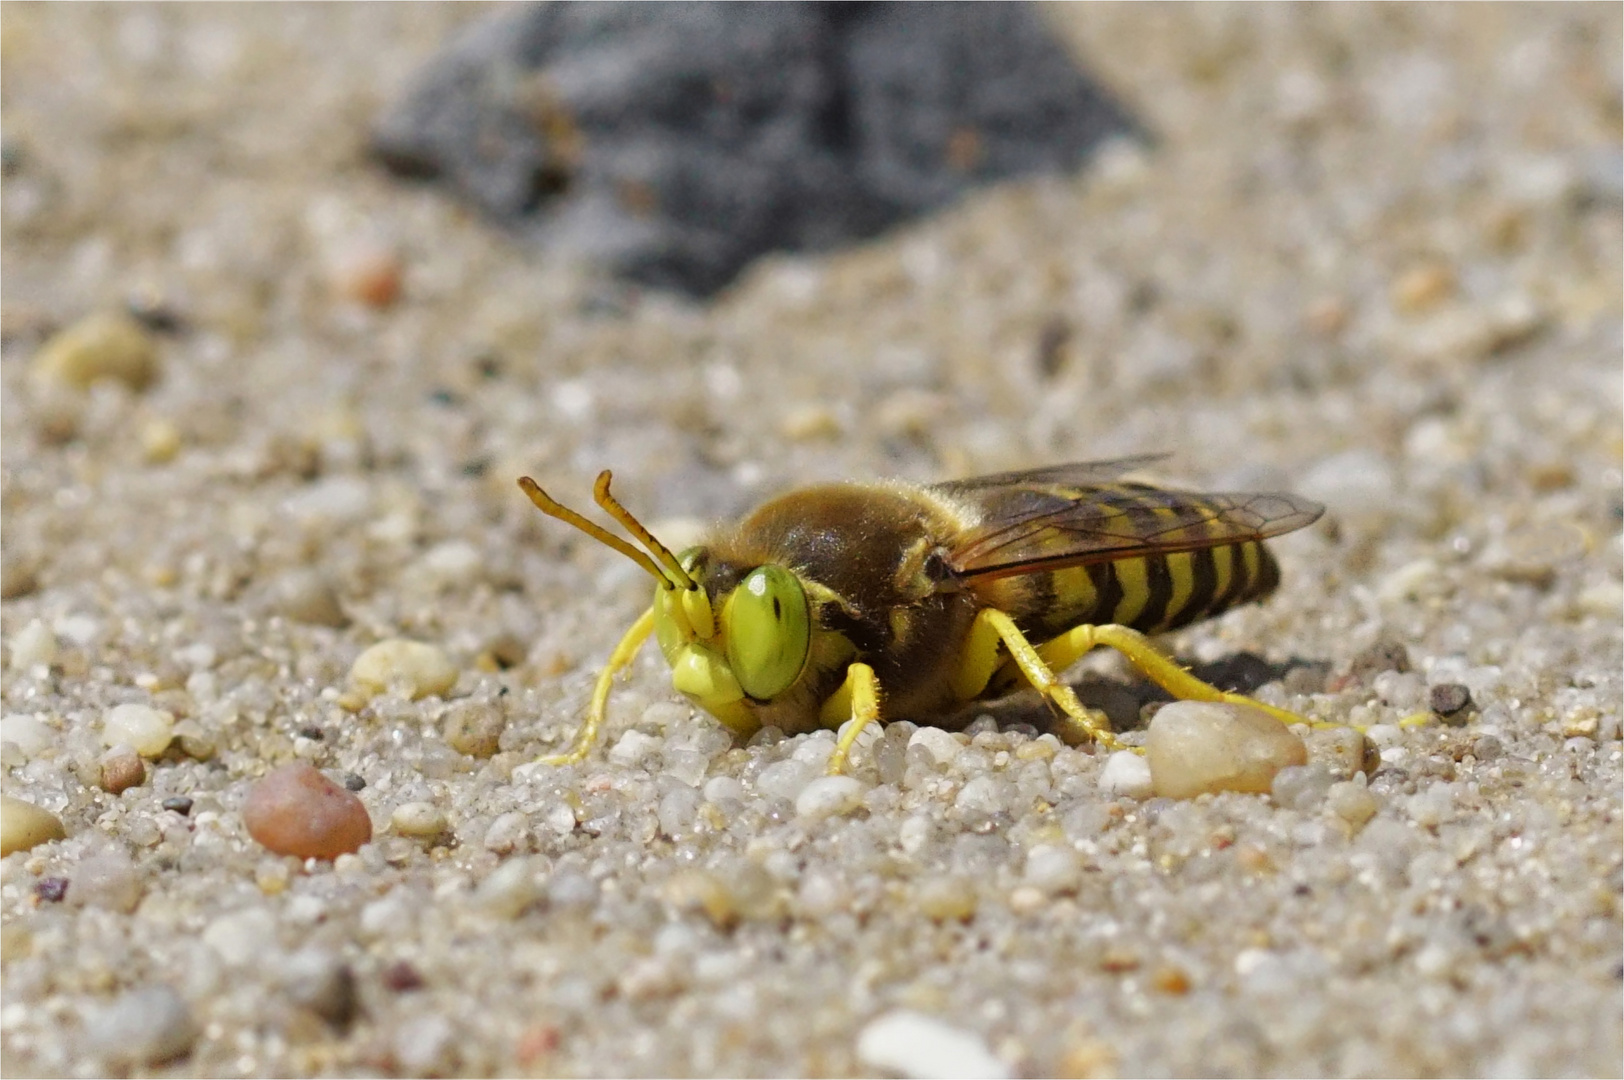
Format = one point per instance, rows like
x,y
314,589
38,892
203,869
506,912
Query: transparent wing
x,y
1078,474
1030,525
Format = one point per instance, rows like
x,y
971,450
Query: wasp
x,y
867,601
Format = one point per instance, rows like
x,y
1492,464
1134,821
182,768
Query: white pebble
x,y
829,795
633,747
146,730
510,888
34,646
418,819
1352,802
508,832
1053,868
1200,746
915,833
914,1045
983,795
941,745
559,818
335,499
241,937
677,809
148,1026
1126,773
1433,806
79,629
454,562
720,788
413,668
31,735
784,779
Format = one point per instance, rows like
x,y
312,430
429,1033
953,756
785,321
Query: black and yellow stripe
x,y
1152,593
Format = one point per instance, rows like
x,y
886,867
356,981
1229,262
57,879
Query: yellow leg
x,y
862,689
1085,722
1159,669
618,660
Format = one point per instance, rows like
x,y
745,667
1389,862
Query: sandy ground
x,y
1373,257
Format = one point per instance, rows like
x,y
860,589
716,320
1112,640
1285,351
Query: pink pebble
x,y
295,810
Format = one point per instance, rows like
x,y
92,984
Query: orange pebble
x,y
295,810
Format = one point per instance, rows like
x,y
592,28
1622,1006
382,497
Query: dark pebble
x,y
180,804
402,977
312,732
1450,701
51,890
677,142
353,782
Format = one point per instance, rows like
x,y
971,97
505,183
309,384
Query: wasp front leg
x,y
858,698
618,661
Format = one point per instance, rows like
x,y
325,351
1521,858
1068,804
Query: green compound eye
x,y
769,631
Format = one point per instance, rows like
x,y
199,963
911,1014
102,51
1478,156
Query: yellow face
x,y
751,652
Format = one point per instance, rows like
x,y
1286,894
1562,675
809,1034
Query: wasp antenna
x,y
600,491
553,508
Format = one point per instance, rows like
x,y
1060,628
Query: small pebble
x,y
107,345
147,1026
1128,774
121,768
367,274
402,978
510,888
34,646
1301,787
323,983
1352,802
420,820
474,728
108,880
701,890
242,937
1199,746
634,747
1450,701
922,1047
160,441
180,804
145,730
353,782
413,668
1344,751
24,825
1423,287
28,733
51,890
828,796
942,746
508,832
295,810
945,898
305,596
1053,868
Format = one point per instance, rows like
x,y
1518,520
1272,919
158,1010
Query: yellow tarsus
x,y
618,661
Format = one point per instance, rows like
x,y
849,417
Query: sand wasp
x,y
851,601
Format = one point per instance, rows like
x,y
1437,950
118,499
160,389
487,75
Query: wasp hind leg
x,y
1083,723
618,661
1157,667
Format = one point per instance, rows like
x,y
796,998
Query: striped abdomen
x,y
1150,593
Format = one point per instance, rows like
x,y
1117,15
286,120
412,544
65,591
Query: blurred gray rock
x,y
673,143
